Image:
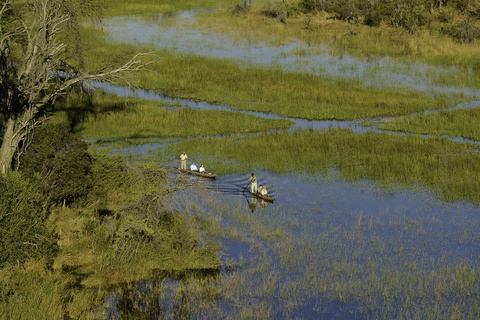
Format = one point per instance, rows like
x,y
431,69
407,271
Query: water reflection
x,y
252,204
169,295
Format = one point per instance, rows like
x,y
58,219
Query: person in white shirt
x,y
202,168
193,167
262,190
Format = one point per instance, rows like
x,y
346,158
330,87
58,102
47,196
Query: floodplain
x,y
367,223
375,216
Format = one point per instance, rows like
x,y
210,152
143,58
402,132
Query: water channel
x,y
282,259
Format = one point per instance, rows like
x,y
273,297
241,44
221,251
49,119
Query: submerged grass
x,y
341,264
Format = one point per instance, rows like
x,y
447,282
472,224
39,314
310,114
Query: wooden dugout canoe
x,y
197,173
264,197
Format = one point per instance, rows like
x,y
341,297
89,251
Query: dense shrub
x,y
58,163
108,173
407,14
319,5
464,31
276,10
25,231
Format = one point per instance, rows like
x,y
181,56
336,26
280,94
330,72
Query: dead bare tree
x,y
34,71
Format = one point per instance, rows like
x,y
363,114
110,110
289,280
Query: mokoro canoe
x,y
197,173
264,197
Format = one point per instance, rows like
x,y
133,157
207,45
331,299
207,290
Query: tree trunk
x,y
9,145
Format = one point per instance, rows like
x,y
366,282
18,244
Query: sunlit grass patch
x,y
221,81
283,93
457,123
111,117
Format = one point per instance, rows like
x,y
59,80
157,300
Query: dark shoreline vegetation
x,y
83,224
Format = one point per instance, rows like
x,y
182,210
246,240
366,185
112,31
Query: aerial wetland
x,y
373,162
366,223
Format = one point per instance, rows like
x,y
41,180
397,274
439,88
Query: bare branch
x,y
134,64
41,75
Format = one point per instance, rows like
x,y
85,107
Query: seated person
x,y
262,190
193,167
202,168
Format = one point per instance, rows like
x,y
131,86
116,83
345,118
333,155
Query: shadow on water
x,y
165,296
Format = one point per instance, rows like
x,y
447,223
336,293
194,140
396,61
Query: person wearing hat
x,y
183,161
253,180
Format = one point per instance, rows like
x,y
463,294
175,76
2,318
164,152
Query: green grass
x,y
321,29
287,94
224,82
153,7
110,117
459,123
123,234
450,169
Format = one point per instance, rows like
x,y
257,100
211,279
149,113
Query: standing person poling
x,y
183,161
253,181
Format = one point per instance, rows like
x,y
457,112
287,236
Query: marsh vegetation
x,y
366,223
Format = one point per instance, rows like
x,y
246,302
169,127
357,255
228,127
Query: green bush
x,y
276,10
25,231
108,172
58,163
464,31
